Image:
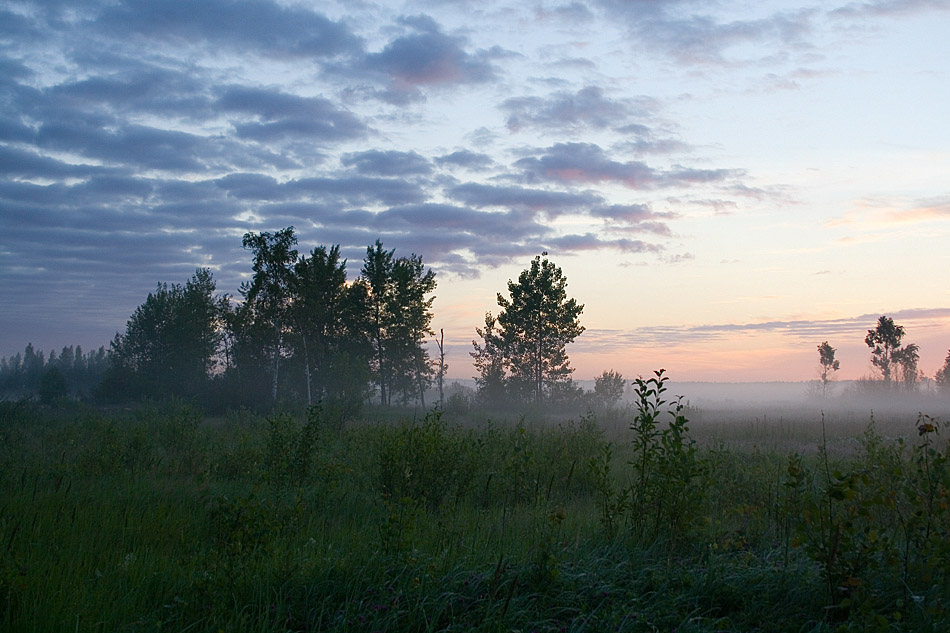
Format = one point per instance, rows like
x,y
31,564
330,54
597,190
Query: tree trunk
x,y
306,363
441,343
276,360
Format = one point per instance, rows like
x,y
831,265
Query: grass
x,y
158,519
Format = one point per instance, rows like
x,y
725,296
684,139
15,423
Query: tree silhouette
x,y
907,358
268,295
828,365
942,377
170,341
884,341
399,317
535,325
609,387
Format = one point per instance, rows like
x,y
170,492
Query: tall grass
x,y
157,518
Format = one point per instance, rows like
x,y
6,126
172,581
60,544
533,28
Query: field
x,y
650,517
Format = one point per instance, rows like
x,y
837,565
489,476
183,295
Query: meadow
x,y
647,517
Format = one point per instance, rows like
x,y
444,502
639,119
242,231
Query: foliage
x,y
883,516
53,386
907,358
886,351
501,527
534,326
268,296
827,365
667,471
290,449
23,375
609,387
421,462
331,327
170,341
489,361
400,314
942,377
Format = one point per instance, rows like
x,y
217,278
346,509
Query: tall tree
x,y
827,365
884,341
609,387
171,340
377,274
410,318
489,361
399,317
942,377
535,325
907,358
443,367
268,294
330,323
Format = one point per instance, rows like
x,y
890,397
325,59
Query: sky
x,y
725,185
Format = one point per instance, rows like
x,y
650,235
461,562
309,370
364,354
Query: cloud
x,y
551,202
465,158
585,163
578,163
566,110
130,144
425,57
571,244
348,190
879,8
573,13
932,209
259,26
275,115
28,164
388,163
878,213
639,217
674,29
804,331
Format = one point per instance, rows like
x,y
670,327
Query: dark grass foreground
x,y
158,519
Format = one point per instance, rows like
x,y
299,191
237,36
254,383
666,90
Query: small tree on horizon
x,y
536,323
907,358
885,341
828,365
609,387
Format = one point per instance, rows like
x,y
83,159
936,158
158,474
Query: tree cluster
x,y
71,373
896,362
299,332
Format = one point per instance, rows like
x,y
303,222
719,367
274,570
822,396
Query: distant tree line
x,y
301,332
897,362
70,373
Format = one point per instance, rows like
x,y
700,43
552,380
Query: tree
x,y
827,365
399,316
942,377
443,366
170,341
907,358
609,387
53,386
535,325
330,324
489,361
268,295
884,341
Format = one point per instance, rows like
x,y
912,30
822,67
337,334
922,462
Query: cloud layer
x,y
140,139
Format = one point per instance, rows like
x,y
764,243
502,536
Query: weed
x,y
666,495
